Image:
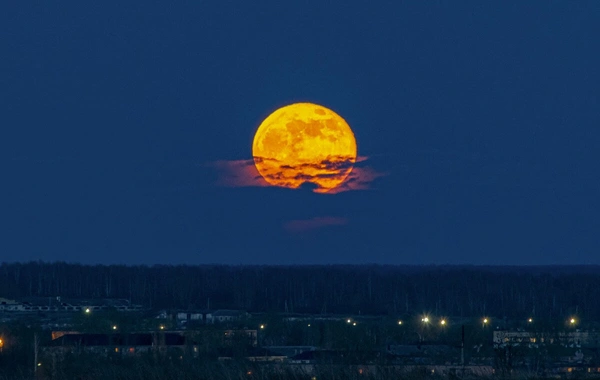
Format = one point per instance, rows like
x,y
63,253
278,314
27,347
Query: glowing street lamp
x,y
262,327
399,322
443,322
114,327
87,310
353,323
348,320
485,321
572,321
162,327
530,320
425,320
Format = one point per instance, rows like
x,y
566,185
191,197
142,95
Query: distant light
x,y
39,364
485,320
572,321
530,320
425,319
354,324
162,327
399,322
349,320
443,322
309,325
87,310
262,326
114,327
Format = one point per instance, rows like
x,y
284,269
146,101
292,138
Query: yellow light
x,y
572,321
443,322
485,320
162,327
399,322
114,327
87,310
348,321
530,320
425,319
262,326
354,324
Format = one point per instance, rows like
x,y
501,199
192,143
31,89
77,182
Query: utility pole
x,y
36,343
462,350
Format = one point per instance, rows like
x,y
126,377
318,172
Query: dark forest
x,y
545,292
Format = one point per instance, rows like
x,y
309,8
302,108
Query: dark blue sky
x,y
485,115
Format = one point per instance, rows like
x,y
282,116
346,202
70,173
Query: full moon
x,y
304,143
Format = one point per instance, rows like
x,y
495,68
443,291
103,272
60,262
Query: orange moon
x,y
304,143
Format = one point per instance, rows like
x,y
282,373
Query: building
x,y
290,351
590,339
11,305
255,354
115,344
225,316
56,304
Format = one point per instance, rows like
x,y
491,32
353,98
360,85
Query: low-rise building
x,y
224,316
114,344
576,338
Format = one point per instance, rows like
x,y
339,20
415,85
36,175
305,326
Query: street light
x,y
425,319
399,322
530,320
162,327
573,321
87,310
485,321
114,327
348,320
262,327
443,322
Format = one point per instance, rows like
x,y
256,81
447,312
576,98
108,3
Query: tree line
x,y
511,292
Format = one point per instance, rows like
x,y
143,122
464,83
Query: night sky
x,y
483,116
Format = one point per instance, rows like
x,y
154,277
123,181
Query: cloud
x,y
303,225
238,173
243,173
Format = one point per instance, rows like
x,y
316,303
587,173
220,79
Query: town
x,y
52,333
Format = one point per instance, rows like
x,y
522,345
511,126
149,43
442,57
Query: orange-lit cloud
x,y
314,223
243,173
238,173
